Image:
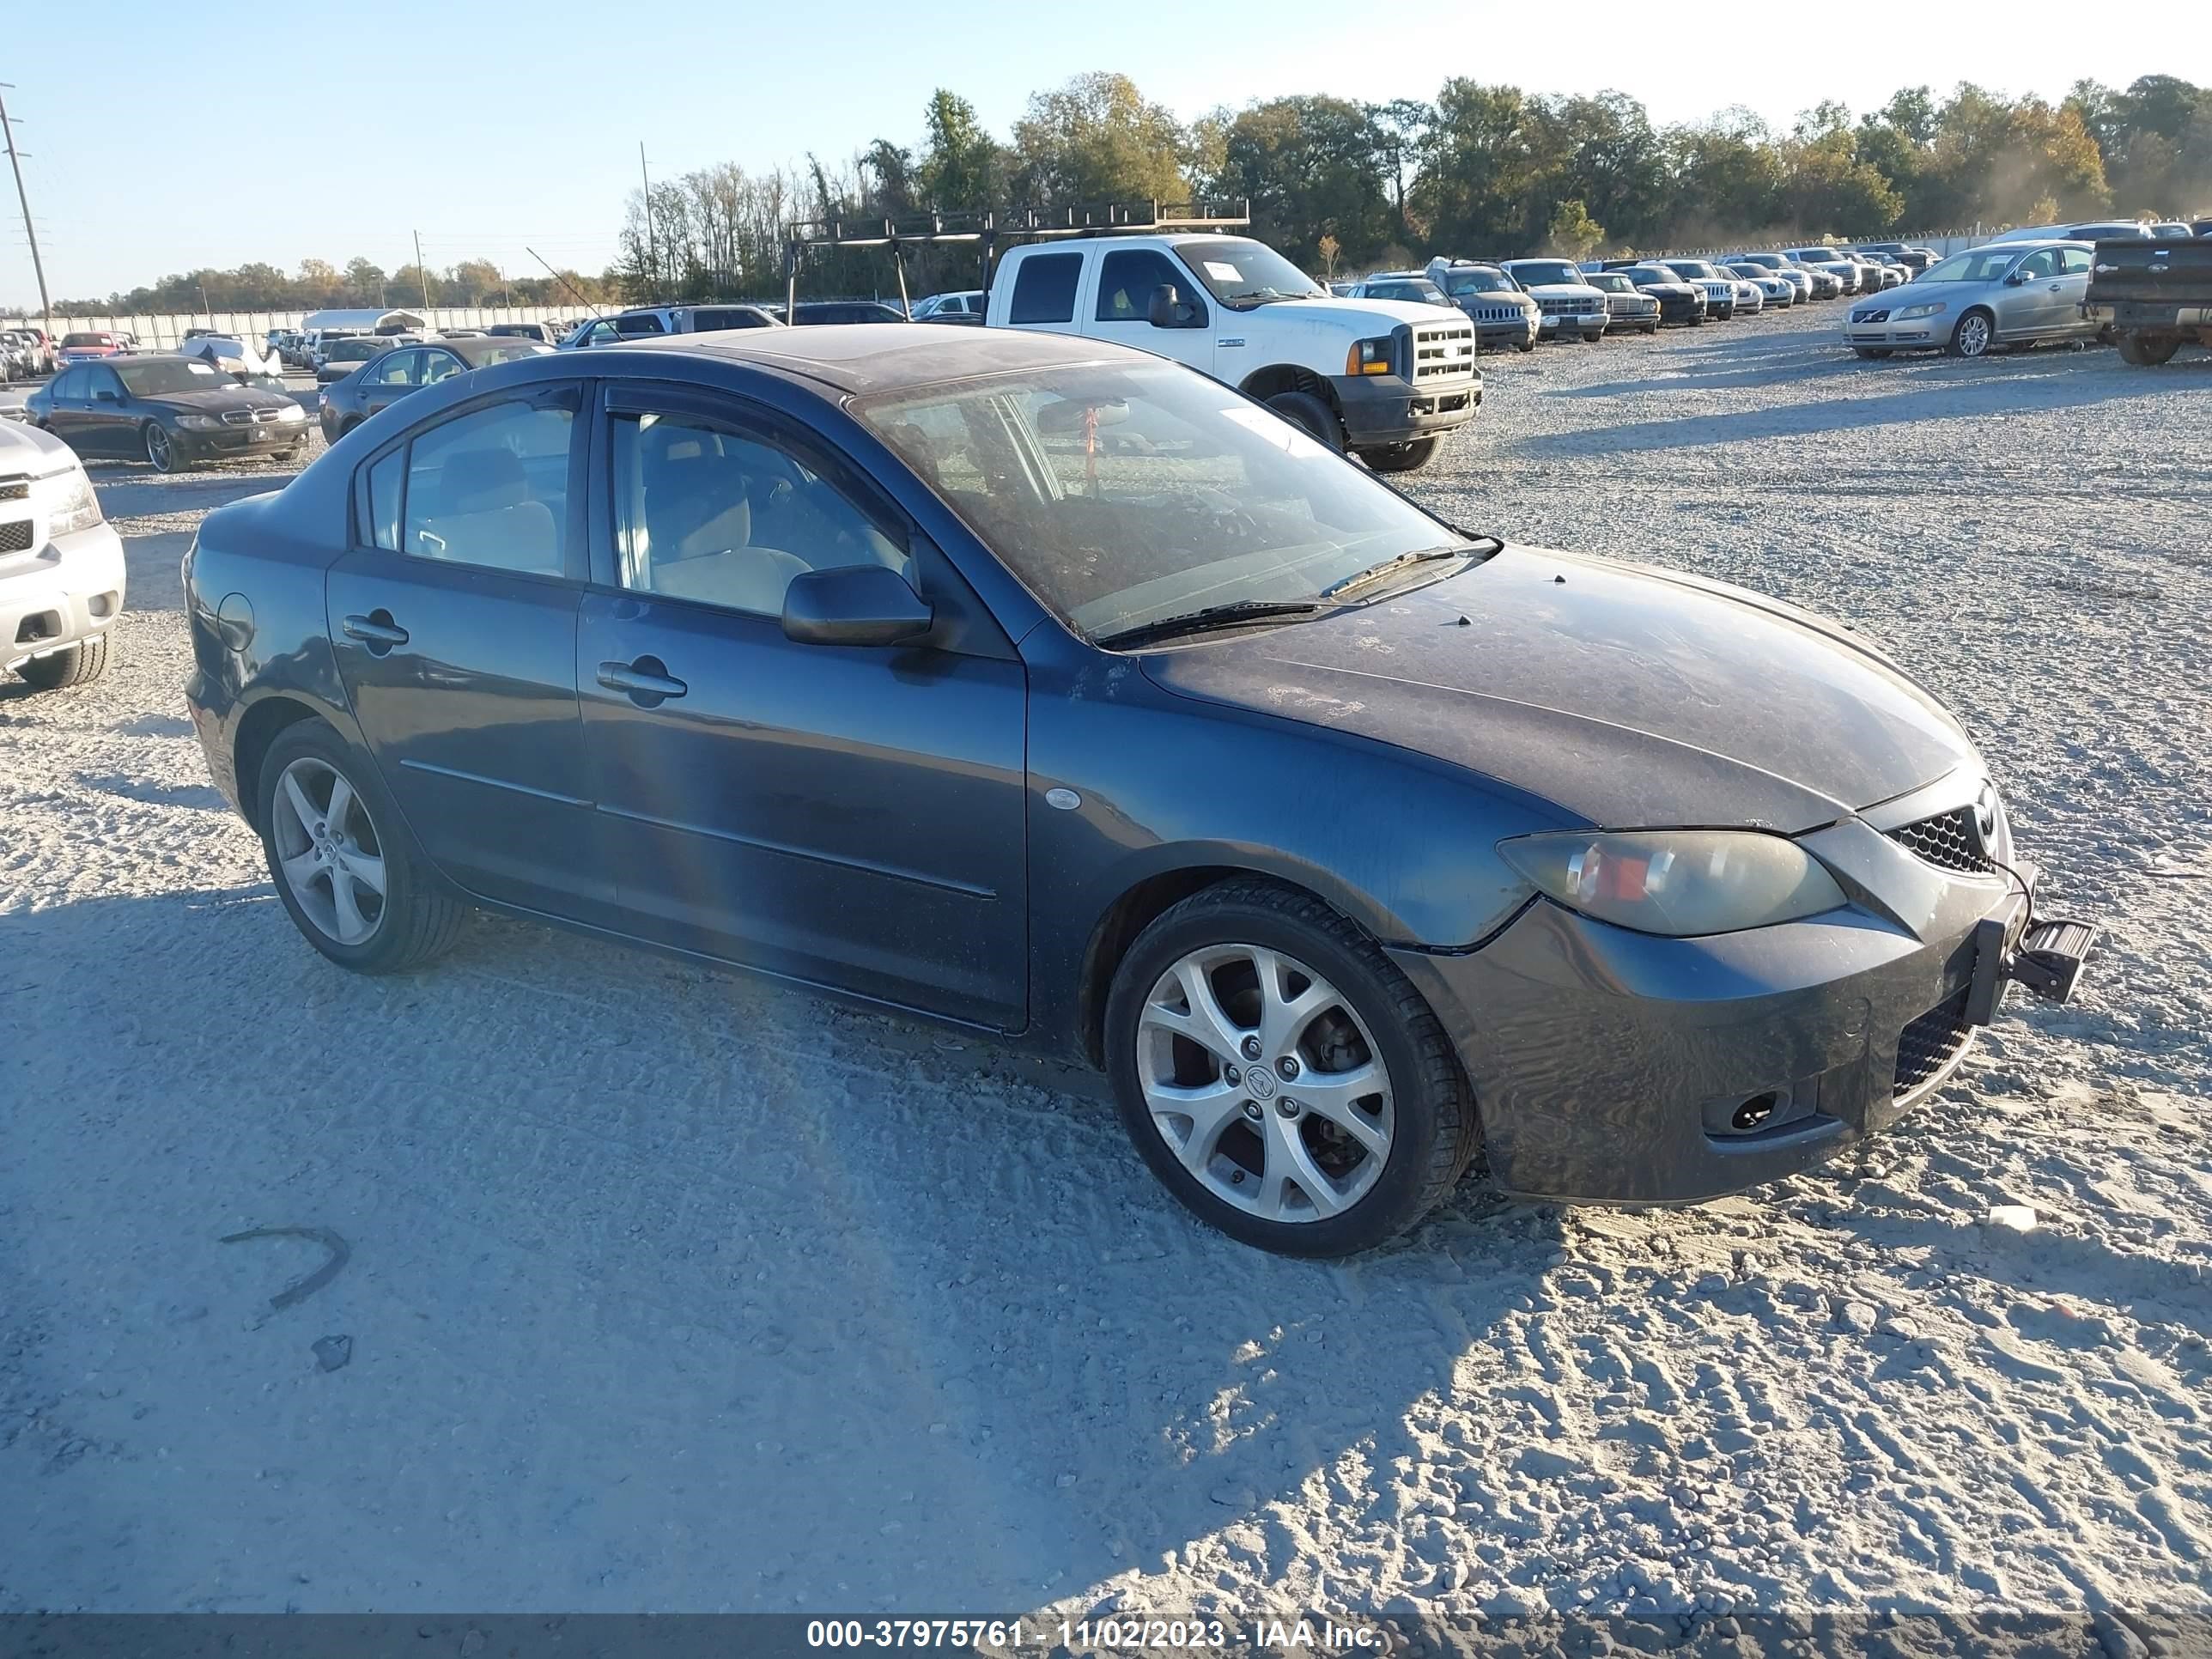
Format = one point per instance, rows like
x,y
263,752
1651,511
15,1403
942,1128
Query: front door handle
x,y
374,630
648,681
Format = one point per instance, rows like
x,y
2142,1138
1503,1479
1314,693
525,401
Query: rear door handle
x,y
378,630
648,680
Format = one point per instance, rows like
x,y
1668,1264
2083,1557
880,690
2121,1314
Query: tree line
x,y
1341,187
1482,169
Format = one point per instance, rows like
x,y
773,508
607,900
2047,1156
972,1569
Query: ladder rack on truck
x,y
990,228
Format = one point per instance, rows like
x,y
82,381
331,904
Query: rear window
x,y
1044,289
706,322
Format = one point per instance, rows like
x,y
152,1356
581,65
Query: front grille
x,y
1444,353
16,489
16,538
1931,1042
1948,839
249,416
1881,316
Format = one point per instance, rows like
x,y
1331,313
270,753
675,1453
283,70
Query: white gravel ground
x,y
674,1292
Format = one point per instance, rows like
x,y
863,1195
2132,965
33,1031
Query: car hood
x,y
1678,287
1628,696
1350,316
25,449
214,400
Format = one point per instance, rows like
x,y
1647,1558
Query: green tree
x,y
1574,233
962,166
1096,139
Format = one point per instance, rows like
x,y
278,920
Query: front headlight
x,y
1369,357
199,423
1929,310
1677,883
291,415
70,503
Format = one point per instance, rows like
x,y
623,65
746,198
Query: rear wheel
x,y
1400,457
1972,337
1281,1077
2145,352
1312,413
74,665
343,863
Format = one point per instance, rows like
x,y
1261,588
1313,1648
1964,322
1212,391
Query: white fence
x,y
162,332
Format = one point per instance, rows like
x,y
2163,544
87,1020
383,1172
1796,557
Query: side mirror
x,y
107,395
1169,310
855,604
2016,279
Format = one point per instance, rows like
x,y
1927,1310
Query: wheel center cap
x,y
1261,1082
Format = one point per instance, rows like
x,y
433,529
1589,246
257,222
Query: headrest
x,y
481,480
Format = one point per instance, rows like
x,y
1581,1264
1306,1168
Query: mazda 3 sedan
x,y
1041,686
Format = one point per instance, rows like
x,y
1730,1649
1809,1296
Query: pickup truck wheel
x,y
1281,1075
1973,335
2143,352
1400,457
343,863
75,665
1527,345
1312,414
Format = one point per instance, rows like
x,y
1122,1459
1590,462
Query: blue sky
x,y
166,136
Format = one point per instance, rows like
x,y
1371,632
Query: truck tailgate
x,y
2152,273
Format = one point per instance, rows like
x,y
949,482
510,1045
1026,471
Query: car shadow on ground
x,y
1974,392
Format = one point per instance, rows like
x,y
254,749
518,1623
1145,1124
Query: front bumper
x,y
268,438
1388,409
1611,1066
60,594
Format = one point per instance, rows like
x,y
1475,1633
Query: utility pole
x,y
423,271
651,257
14,161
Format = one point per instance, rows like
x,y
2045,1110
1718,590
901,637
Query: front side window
x,y
384,499
723,516
398,368
2039,264
491,489
1126,278
1123,495
1044,289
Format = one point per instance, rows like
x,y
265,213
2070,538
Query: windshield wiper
x,y
1375,573
1208,618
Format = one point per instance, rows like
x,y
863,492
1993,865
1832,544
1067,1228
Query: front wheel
x,y
1312,413
162,449
1651,327
1281,1077
1973,335
342,862
2144,352
73,665
1527,345
1398,458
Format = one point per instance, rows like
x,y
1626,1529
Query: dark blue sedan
x,y
1041,686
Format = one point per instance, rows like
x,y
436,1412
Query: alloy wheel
x,y
329,852
158,451
1261,1077
1973,335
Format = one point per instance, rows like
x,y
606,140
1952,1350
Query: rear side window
x,y
491,489
384,499
2074,261
643,323
1044,289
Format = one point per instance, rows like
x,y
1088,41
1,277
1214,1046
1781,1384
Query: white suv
x,y
1384,379
61,563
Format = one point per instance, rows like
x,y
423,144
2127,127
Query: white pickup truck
x,y
1383,379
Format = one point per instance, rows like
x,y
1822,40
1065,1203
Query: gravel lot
x,y
671,1291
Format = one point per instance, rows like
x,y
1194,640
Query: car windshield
x,y
1652,273
1612,281
1237,271
1479,279
1534,272
1417,289
159,377
1697,267
1123,496
355,351
1981,265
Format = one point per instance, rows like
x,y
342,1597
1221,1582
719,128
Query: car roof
x,y
469,347
864,357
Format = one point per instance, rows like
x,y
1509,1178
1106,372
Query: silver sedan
x,y
2011,293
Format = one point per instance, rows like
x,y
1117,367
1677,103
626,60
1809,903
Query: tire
x,y
1976,332
161,448
75,665
1312,413
1651,328
2145,353
414,922
1256,1137
1526,345
1400,457
1696,322
1871,351
1592,339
